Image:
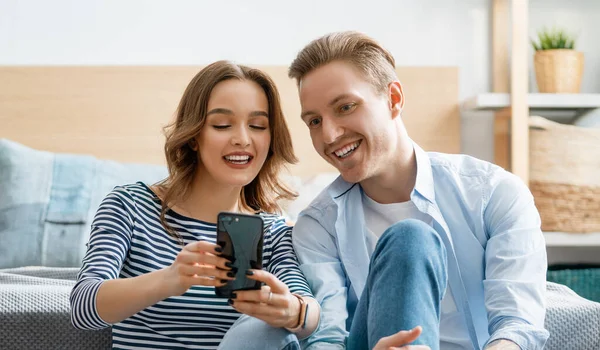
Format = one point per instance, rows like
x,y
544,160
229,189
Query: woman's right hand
x,y
199,263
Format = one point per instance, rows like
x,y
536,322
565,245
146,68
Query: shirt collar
x,y
423,183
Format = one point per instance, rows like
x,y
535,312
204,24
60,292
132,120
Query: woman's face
x,y
235,139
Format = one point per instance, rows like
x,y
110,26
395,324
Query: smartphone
x,y
241,237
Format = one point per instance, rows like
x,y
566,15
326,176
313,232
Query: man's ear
x,y
396,96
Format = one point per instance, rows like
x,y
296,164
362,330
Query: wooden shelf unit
x,y
512,102
562,239
535,101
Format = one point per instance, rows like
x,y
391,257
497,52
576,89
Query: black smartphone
x,y
241,237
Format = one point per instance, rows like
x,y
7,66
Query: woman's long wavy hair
x,y
265,190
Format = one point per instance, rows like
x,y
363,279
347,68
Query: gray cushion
x,y
572,321
34,311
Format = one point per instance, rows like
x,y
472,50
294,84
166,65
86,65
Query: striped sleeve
x,y
283,263
109,243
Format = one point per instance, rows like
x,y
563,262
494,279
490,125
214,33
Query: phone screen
x,y
241,237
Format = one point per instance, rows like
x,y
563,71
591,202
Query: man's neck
x,y
395,182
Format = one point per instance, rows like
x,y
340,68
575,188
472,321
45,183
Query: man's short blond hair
x,y
364,53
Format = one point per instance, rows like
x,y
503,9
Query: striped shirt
x,y
128,240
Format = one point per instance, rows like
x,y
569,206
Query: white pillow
x,y
308,188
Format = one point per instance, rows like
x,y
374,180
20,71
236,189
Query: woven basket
x,y
565,175
558,71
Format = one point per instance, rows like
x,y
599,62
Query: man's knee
x,y
411,251
411,239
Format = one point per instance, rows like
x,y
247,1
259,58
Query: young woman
x,y
152,263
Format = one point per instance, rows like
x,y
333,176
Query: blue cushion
x,y
48,201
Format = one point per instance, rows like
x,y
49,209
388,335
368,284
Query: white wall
x,y
269,32
189,32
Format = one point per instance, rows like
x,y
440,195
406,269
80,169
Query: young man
x,y
404,237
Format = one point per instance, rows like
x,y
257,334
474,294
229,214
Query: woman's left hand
x,y
273,304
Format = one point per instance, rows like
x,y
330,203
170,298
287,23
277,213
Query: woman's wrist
x,y
298,320
168,282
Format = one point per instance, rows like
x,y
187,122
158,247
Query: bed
x,y
70,134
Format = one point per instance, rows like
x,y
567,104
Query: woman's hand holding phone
x,y
199,263
273,303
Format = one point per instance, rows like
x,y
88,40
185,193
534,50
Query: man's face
x,y
351,124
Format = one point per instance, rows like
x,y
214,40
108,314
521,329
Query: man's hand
x,y
399,340
502,344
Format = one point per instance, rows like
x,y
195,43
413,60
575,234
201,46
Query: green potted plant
x,y
558,67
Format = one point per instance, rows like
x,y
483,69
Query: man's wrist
x,y
502,344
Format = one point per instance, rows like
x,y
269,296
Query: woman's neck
x,y
206,198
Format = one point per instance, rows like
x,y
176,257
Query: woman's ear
x,y
193,145
396,98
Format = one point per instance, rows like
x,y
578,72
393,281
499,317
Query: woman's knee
x,y
251,333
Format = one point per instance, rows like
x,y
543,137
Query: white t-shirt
x,y
378,217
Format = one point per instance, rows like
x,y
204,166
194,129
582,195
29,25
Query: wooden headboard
x,y
118,112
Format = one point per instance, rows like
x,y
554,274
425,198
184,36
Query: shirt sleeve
x,y
320,263
283,263
108,246
516,264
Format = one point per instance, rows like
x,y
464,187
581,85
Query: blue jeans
x,y
250,333
406,283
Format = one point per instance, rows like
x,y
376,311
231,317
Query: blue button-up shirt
x,y
491,229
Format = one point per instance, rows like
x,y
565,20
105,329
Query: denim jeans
x,y
250,333
406,283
